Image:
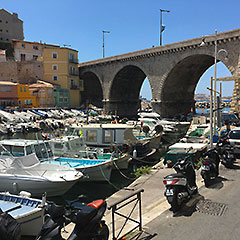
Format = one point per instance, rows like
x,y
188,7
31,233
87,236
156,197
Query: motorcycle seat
x,y
175,175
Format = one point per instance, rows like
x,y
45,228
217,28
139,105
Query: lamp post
x,y
215,83
161,26
103,41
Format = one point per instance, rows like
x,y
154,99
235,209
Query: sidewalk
x,y
153,199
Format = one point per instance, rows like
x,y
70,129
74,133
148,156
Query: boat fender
x,y
159,129
146,129
15,188
25,194
134,153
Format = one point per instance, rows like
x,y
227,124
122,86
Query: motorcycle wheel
x,y
207,180
103,232
227,164
175,205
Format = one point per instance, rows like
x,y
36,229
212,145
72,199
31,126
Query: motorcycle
x,y
225,151
88,221
210,166
181,185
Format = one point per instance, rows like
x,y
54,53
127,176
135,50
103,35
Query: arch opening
x,y
125,91
179,88
93,93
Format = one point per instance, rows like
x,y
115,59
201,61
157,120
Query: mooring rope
x,y
115,165
108,180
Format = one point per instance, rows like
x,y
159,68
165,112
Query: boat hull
x,y
15,184
28,212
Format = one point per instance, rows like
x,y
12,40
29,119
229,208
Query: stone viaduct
x,y
173,71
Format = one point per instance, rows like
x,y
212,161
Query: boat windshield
x,y
16,151
43,151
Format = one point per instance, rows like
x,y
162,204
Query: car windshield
x,y
229,116
234,134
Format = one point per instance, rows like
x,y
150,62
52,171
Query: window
x,y
5,89
35,47
35,57
91,135
65,99
23,45
73,83
49,91
54,67
55,78
60,99
108,136
28,102
80,83
24,89
21,89
0,30
54,55
23,57
72,70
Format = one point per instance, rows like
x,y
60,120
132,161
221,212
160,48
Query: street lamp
x,y
161,26
103,41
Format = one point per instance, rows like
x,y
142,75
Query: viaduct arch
x,y
173,71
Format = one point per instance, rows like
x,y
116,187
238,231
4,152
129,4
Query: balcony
x,y
73,61
74,87
73,73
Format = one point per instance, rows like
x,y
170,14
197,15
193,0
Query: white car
x,y
234,139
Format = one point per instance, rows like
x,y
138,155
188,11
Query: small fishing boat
x,y
93,168
27,173
27,211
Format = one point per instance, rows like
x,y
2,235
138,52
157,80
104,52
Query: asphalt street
x,y
213,214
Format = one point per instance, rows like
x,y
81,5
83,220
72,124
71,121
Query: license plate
x,y
204,167
169,192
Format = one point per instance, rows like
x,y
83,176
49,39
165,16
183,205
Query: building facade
x,y
24,97
43,92
8,94
61,68
11,27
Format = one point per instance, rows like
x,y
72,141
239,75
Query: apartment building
x,y
44,93
24,97
61,68
11,27
8,94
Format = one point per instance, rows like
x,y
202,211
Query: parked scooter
x,y
88,221
182,185
210,166
225,151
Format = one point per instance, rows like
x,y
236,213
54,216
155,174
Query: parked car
x,y
231,118
234,140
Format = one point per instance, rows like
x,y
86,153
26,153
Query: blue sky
x,y
134,25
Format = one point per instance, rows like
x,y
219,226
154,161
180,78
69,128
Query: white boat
x,y
94,169
67,145
27,173
101,137
27,211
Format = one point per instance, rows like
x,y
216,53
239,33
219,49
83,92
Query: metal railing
x,y
135,196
